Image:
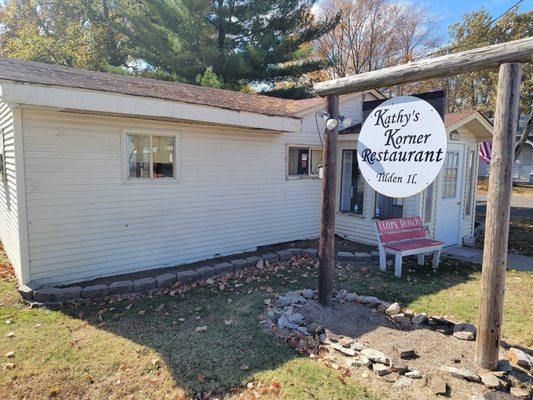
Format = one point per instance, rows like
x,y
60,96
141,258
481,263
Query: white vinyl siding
x,y
232,196
9,215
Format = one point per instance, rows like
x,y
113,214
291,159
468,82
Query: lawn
x,y
149,347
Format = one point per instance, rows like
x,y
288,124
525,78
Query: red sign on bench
x,y
393,230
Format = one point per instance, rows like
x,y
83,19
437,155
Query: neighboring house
x,y
105,174
523,166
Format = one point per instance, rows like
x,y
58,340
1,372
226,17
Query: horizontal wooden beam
x,y
451,64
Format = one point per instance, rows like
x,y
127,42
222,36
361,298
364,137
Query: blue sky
x,y
449,11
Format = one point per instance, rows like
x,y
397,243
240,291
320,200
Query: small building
x,y
104,174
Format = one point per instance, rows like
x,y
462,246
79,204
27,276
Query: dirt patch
x,y
434,349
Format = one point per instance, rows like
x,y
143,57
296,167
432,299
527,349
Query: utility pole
x,y
326,251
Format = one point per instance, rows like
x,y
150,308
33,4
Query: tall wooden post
x,y
497,219
326,251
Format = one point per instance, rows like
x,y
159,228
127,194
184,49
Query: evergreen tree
x,y
243,40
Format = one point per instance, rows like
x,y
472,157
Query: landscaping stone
x,y
223,268
303,330
311,252
357,346
362,257
380,369
289,299
519,392
463,335
68,293
45,294
345,256
516,356
206,272
240,264
144,284
404,352
296,318
420,319
188,276
283,322
295,251
254,260
270,257
375,355
166,280
361,361
464,331
393,309
504,365
397,365
461,373
415,374
284,255
121,287
308,293
408,313
346,341
350,297
94,291
26,292
403,381
372,300
273,315
491,381
346,351
437,385
332,336
402,320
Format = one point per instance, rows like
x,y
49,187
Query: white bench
x,y
405,237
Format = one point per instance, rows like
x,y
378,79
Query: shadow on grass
x,y
234,345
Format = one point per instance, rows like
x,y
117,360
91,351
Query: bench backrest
x,y
394,230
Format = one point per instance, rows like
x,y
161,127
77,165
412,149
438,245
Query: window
x,y
388,207
428,202
470,176
151,156
304,161
2,156
352,184
450,177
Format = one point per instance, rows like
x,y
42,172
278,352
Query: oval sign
x,y
402,146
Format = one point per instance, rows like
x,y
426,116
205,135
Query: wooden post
x,y
497,219
326,251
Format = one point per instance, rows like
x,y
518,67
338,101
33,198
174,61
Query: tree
x,y
75,33
374,34
244,41
478,90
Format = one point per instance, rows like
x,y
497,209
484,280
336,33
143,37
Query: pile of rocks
x,y
307,336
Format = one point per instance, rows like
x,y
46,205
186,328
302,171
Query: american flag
x,y
485,151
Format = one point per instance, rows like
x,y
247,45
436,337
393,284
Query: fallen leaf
x,y
202,377
181,319
8,366
201,328
228,322
245,367
142,312
54,392
10,334
10,354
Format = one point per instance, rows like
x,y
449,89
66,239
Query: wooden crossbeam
x,y
451,64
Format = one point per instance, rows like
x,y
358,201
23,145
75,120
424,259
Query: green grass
x,y
140,349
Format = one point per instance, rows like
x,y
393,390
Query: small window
x,y
352,184
2,156
151,156
304,161
388,207
470,176
450,177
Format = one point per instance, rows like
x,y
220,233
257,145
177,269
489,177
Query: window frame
x,y
470,178
310,149
361,213
126,180
403,199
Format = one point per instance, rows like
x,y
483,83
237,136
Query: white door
x,y
450,196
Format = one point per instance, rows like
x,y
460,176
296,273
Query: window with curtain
x,y
304,161
470,176
388,207
352,184
151,156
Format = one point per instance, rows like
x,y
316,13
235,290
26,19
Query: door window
x,y
450,175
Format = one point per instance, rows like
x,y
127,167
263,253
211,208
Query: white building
x,y
105,174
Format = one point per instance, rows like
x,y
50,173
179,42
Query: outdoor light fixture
x,y
346,121
331,124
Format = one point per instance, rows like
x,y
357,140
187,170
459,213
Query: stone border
x,y
284,317
53,295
